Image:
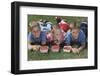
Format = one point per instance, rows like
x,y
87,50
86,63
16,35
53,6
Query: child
x,y
62,24
45,26
84,27
56,37
36,37
75,40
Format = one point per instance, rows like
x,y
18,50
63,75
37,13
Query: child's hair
x,y
58,19
77,27
73,23
57,31
74,26
56,26
34,24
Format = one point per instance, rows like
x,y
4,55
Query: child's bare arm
x,y
34,47
81,47
77,50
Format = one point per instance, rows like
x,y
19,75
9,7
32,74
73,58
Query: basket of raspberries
x,y
55,48
44,49
67,49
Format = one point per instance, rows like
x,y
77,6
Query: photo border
x,y
15,37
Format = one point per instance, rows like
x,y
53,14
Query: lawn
x,y
36,55
68,19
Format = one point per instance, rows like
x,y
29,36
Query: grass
x,y
36,55
68,19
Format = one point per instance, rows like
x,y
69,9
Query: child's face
x,y
57,34
58,37
36,32
75,33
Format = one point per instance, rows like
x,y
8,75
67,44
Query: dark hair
x,y
58,19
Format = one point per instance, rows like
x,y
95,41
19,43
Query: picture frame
x,y
17,9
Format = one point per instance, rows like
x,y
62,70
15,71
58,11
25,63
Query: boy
x,y
36,37
75,40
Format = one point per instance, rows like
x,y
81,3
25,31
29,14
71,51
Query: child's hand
x,y
75,50
67,48
36,47
56,42
29,47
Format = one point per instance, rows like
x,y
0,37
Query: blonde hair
x,y
34,24
57,31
